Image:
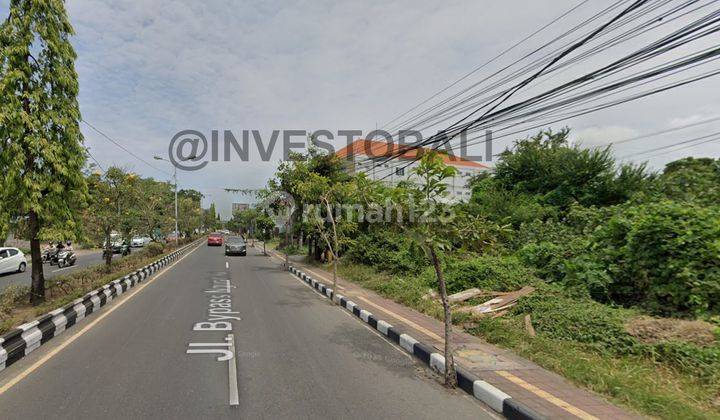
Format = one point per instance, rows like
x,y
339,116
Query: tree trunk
x,y
335,262
37,285
450,375
108,251
264,251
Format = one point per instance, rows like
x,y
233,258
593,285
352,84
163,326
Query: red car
x,y
215,239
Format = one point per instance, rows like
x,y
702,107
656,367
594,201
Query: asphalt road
x,y
296,356
84,259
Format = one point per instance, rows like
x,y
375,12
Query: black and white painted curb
x,y
483,391
20,341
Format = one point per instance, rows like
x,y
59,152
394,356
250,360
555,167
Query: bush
x,y
663,256
11,296
487,272
387,251
501,205
703,362
153,249
582,320
561,174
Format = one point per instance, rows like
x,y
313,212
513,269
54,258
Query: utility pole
x,y
177,234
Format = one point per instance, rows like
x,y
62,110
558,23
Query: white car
x,y
12,260
139,241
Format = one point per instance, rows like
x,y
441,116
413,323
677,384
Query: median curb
x,y
481,390
21,341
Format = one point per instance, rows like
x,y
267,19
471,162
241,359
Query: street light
x,y
177,234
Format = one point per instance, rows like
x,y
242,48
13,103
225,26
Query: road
x,y
84,259
296,355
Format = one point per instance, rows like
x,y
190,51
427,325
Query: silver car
x,y
235,245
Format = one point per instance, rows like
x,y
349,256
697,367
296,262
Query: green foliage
x,y
12,296
210,218
501,205
153,249
582,320
692,180
388,251
560,174
663,256
702,362
41,146
486,272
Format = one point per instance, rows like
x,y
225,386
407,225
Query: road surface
x,y
84,259
296,355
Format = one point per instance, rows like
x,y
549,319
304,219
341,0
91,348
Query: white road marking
x,y
232,374
227,265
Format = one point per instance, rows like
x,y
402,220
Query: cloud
x,y
149,69
602,136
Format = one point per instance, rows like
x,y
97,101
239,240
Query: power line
x,y
712,137
694,31
87,149
480,67
124,148
448,134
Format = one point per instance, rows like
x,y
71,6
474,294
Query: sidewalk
x,y
540,390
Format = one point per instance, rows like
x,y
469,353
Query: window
x,y
4,254
13,252
400,171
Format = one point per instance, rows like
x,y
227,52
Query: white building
x,y
369,157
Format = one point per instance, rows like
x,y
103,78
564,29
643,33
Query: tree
x,y
210,218
41,146
326,213
265,226
4,223
153,207
419,209
109,201
547,165
189,213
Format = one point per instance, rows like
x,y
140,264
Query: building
x,y
369,157
236,207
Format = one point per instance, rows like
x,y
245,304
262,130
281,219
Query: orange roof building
x,y
371,157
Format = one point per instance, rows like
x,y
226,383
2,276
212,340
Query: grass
x,y
636,382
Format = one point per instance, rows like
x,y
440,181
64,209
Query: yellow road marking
x,y
546,396
405,320
77,335
507,375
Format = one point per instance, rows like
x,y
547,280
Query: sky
x,y
149,69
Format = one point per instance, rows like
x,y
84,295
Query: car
x,y
119,247
215,239
235,245
139,241
12,260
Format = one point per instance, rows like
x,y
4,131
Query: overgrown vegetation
x,y
625,264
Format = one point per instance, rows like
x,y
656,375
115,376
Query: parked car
x,y
12,260
235,245
215,239
118,247
139,241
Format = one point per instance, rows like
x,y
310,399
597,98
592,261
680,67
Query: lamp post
x,y
177,234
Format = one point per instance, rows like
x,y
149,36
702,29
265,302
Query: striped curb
x,y
21,341
481,390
